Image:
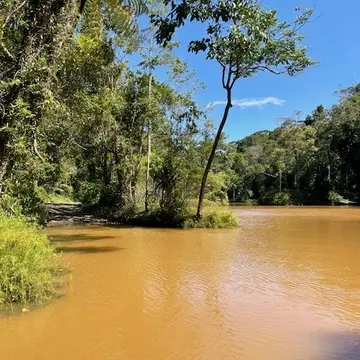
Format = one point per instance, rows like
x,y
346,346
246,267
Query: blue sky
x,y
333,41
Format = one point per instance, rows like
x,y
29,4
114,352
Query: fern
x,y
138,7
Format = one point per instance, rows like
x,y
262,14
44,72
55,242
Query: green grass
x,y
58,199
26,263
214,216
54,198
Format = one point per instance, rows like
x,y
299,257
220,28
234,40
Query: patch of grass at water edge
x,y
27,263
213,217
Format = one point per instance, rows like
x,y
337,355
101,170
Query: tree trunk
x,y
213,151
120,178
82,6
148,170
4,159
105,170
137,170
329,174
3,169
148,137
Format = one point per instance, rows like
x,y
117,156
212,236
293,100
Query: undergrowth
x,y
27,263
214,216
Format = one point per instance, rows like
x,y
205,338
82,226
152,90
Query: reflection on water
x,y
286,285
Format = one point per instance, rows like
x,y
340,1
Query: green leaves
x,y
242,36
137,7
318,158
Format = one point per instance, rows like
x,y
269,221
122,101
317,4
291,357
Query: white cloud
x,y
255,102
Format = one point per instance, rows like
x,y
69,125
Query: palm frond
x,y
138,7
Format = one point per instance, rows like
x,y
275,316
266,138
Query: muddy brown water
x,y
284,286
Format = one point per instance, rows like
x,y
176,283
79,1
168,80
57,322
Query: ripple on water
x,y
284,286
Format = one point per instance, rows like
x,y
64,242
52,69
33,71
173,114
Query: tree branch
x,y
36,149
6,23
273,176
223,75
267,68
7,52
80,146
236,76
13,12
228,81
298,27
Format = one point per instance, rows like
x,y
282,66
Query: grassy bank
x,y
26,263
214,216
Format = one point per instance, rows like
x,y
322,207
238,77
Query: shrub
x,y
10,205
26,262
250,202
114,213
53,197
277,198
57,196
193,203
88,193
66,190
337,199
283,198
212,218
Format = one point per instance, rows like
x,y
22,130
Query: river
x,y
284,286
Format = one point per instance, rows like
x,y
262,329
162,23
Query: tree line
x,y
315,160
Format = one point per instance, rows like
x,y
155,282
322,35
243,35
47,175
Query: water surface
x,y
284,286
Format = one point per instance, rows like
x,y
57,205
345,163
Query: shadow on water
x,y
87,249
77,237
342,346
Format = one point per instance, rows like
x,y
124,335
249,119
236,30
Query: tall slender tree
x,y
245,39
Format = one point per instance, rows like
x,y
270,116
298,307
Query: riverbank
x,y
287,199
71,213
27,263
215,216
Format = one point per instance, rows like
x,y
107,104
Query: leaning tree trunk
x,y
213,151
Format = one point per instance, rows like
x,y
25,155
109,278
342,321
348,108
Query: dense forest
x,y
311,161
78,122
